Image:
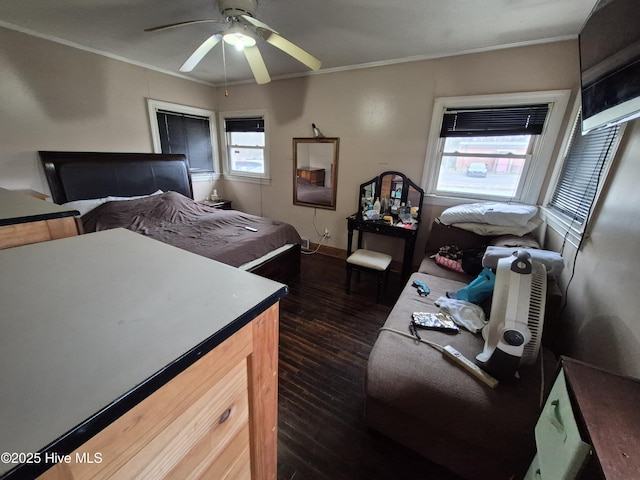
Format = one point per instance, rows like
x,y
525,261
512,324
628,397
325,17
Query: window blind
x,y
582,168
494,121
244,124
189,135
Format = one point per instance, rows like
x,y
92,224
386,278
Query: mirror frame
x,y
407,184
335,141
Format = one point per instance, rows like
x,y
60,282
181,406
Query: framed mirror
x,y
315,172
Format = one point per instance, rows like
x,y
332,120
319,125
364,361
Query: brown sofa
x,y
422,400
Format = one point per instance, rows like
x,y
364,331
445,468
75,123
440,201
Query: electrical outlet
x,y
305,243
327,233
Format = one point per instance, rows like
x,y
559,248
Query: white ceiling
x,y
341,33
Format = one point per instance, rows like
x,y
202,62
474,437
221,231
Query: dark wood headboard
x,y
85,175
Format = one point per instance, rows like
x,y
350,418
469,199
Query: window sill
x,y
234,177
563,226
452,200
204,177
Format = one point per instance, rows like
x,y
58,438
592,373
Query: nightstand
x,y
221,204
589,427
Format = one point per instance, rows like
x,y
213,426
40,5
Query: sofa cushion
x,y
525,241
414,379
441,235
430,267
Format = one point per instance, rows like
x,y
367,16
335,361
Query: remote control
x,y
251,229
456,357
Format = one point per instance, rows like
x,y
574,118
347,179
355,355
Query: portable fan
x,y
513,334
243,28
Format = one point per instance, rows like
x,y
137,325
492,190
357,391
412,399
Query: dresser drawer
x,y
534,470
196,426
35,232
561,451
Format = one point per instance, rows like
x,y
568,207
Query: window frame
x,y
561,223
154,105
237,175
534,172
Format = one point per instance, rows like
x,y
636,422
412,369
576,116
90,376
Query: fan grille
x,y
535,319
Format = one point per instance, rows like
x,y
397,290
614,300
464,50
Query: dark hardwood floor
x,y
325,340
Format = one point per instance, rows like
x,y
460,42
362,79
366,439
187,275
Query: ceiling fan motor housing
x,y
235,8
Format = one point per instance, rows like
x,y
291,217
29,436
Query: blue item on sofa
x,y
478,289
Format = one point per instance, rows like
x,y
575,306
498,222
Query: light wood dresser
x,y
122,357
26,219
314,176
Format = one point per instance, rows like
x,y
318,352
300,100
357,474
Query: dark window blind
x,y
244,124
582,169
187,134
494,121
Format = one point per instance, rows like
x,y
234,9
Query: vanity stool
x,y
369,261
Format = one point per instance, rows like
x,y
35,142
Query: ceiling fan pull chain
x,y
224,70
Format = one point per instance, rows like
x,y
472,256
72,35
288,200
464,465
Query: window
x,y
245,145
584,166
187,130
492,147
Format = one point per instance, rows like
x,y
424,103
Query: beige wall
x,y
382,116
601,323
53,97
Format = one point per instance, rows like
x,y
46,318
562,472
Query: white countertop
x,y
85,319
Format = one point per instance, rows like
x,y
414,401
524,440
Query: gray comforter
x,y
179,221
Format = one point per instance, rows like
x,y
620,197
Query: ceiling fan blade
x,y
291,49
257,65
200,52
257,23
181,24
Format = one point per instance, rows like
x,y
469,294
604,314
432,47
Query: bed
x,y
159,204
308,192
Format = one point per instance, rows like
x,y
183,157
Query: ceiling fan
x,y
242,32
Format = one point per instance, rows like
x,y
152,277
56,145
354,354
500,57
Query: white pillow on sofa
x,y
491,230
490,213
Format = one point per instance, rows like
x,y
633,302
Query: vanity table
x,y
396,189
124,357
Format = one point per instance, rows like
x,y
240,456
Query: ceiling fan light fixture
x,y
238,39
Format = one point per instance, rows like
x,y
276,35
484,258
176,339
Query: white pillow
x,y
85,206
486,229
118,199
504,214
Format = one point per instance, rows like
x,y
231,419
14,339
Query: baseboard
x,y
329,251
342,254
